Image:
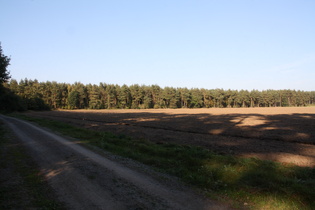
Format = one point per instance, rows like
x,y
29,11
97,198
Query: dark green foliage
x,y
36,104
4,63
94,97
74,100
196,99
108,96
10,102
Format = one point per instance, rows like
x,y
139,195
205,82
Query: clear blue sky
x,y
235,44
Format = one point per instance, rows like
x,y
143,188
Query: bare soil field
x,y
279,134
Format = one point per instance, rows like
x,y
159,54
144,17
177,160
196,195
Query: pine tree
x,y
4,63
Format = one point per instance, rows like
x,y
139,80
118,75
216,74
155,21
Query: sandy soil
x,y
280,134
91,179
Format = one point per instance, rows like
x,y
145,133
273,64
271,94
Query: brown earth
x,y
280,134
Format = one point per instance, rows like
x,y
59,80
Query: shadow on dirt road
x,y
84,179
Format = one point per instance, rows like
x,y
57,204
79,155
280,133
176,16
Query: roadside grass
x,y
243,182
21,186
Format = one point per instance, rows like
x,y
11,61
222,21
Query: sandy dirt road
x,y
86,179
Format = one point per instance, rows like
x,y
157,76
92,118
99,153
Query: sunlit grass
x,y
249,182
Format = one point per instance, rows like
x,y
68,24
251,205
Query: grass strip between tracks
x,y
249,182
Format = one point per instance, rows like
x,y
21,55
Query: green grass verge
x,y
21,186
257,184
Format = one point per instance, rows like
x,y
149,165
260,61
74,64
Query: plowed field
x,y
279,134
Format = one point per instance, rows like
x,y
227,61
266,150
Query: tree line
x,y
34,95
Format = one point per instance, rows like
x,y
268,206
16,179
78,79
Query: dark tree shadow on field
x,y
276,137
